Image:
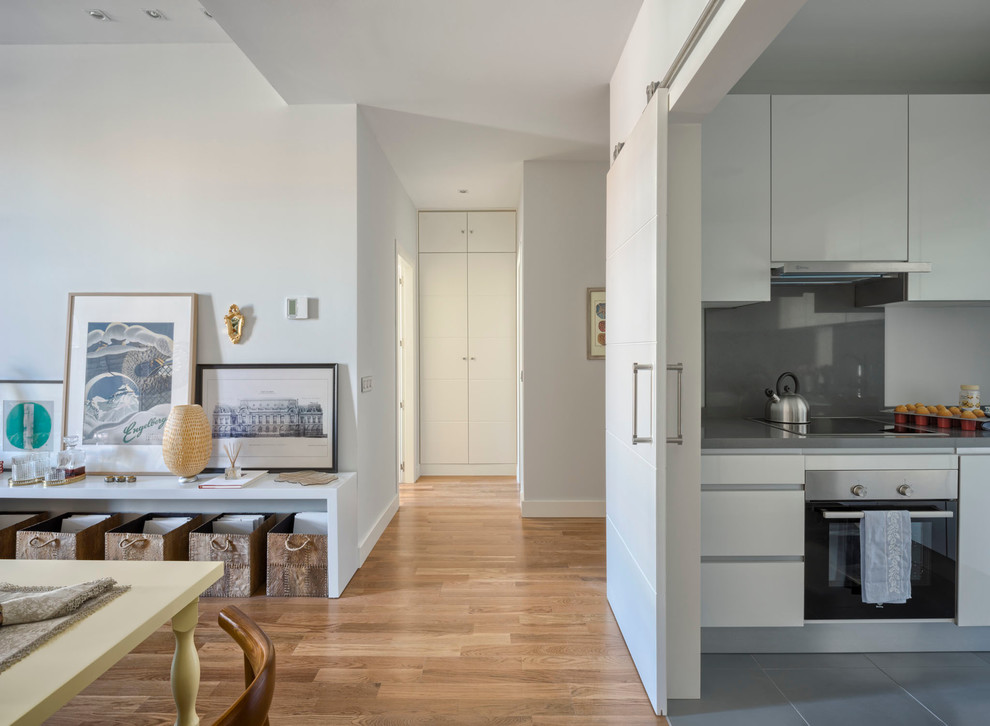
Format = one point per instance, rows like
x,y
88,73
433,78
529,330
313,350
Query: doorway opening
x,y
405,385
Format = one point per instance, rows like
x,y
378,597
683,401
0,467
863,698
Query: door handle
x,y
679,367
914,515
636,438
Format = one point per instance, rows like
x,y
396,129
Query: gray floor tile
x,y
814,660
958,696
734,697
927,660
728,660
850,696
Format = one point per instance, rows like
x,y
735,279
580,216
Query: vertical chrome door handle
x,y
636,438
679,367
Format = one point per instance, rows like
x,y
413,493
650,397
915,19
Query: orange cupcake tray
x,y
934,420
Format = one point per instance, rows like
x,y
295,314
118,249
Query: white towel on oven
x,y
885,556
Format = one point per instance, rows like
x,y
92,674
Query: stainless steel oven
x,y
834,506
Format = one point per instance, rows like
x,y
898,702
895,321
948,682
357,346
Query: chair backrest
x,y
251,709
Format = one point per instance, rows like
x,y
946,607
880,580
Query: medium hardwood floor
x,y
464,613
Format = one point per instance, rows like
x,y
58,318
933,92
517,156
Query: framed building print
x,y
129,358
279,417
596,323
32,418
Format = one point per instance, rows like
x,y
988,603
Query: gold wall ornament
x,y
235,324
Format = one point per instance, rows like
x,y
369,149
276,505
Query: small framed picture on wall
x,y
596,323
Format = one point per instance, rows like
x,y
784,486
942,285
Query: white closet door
x,y
443,231
491,357
491,232
443,358
635,468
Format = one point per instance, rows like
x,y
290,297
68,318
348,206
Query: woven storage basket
x,y
46,541
129,542
242,555
8,531
297,563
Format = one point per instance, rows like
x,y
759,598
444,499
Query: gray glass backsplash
x,y
834,348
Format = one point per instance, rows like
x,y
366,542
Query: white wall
x,y
564,409
386,221
929,351
175,168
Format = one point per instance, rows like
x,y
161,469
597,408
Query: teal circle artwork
x,y
14,426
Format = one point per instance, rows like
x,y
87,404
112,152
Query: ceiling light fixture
x,y
98,14
462,191
155,14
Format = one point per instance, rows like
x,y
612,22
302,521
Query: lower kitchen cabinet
x,y
752,594
752,523
974,541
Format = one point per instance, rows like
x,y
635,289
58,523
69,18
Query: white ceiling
x,y
463,91
48,22
878,46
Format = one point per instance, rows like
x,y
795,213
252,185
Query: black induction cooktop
x,y
851,426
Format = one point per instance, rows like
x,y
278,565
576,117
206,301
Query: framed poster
x,y
283,417
32,418
129,359
596,323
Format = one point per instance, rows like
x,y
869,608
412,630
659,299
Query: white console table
x,y
164,494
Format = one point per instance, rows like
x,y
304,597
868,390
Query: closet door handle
x,y
636,438
679,367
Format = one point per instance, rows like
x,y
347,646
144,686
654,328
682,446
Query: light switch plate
x,y
297,308
365,384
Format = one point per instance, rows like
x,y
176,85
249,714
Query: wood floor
x,y
464,614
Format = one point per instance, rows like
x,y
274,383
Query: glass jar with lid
x,y
969,397
72,459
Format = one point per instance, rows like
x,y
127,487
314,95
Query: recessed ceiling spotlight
x,y
462,191
155,14
98,14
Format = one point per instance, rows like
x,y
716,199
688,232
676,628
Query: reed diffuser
x,y
233,471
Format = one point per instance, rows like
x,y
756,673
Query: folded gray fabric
x,y
885,556
51,604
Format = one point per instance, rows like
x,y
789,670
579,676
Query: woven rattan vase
x,y
187,442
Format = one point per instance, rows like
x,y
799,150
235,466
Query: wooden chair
x,y
251,708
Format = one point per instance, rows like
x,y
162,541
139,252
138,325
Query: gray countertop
x,y
718,433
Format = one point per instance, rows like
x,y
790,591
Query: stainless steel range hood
x,y
877,283
839,272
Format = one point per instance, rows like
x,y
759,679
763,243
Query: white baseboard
x,y
563,508
371,539
467,470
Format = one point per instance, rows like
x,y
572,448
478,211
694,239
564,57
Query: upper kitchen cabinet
x,y
443,231
949,224
735,202
840,178
491,231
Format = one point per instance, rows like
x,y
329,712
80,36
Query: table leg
x,y
185,665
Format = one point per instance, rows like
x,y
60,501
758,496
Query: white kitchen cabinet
x,y
467,359
949,223
752,540
491,231
752,594
973,607
443,231
839,178
735,201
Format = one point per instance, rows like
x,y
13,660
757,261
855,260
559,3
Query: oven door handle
x,y
914,515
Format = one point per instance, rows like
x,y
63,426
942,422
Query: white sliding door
x,y
635,366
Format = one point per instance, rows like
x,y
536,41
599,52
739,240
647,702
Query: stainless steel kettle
x,y
784,406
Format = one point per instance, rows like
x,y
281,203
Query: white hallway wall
x,y
564,409
166,168
386,222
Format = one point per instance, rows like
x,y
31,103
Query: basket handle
x,y
37,542
125,543
218,548
289,547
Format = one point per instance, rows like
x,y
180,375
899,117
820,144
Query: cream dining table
x,y
34,688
